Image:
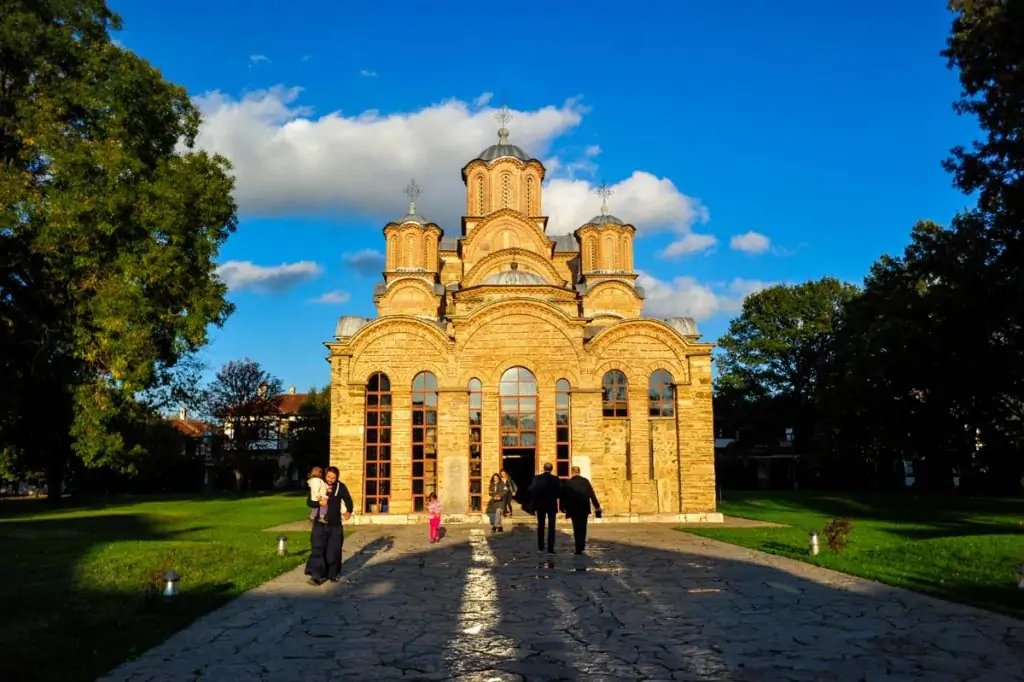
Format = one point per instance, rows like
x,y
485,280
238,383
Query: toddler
x,y
317,490
434,512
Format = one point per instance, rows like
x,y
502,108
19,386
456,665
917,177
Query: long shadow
x,y
490,608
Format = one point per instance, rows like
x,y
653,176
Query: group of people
x,y
546,497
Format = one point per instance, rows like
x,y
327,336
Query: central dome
x,y
514,276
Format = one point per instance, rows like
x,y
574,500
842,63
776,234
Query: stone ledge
x,y
476,519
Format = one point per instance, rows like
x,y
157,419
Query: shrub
x,y
837,534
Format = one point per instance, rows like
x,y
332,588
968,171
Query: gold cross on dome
x,y
413,191
503,116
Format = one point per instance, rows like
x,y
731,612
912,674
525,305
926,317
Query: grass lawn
x,y
73,580
958,548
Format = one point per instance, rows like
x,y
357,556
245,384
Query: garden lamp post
x,y
282,544
171,579
813,543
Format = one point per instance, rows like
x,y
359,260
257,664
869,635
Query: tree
x,y
309,438
110,223
774,351
245,399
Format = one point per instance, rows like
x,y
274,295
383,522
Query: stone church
x,y
503,347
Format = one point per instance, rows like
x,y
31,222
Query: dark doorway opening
x,y
520,463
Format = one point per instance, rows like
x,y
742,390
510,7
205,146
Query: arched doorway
x,y
518,395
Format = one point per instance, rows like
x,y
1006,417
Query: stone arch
x,y
675,362
490,228
501,260
438,346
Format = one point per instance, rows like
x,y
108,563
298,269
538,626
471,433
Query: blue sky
x,y
749,142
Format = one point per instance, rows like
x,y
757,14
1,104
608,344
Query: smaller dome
x,y
514,277
412,218
604,220
349,325
497,151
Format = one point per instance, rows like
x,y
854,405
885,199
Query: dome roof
x,y
514,276
604,220
496,151
412,218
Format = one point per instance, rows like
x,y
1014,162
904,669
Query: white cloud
x,y
687,297
240,275
483,100
367,73
286,160
258,59
649,202
367,262
750,242
691,242
336,296
592,150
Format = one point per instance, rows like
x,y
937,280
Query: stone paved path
x,y
648,603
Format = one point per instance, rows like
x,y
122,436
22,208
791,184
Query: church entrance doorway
x,y
518,395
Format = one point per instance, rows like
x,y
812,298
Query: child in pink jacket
x,y
434,513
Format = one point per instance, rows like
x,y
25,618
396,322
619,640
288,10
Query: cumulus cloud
x,y
645,200
258,59
750,242
367,262
691,242
687,297
367,73
336,296
288,160
592,150
241,275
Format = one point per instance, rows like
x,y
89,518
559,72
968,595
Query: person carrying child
x,y
317,490
434,513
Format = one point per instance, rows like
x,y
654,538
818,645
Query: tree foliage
x,y
246,399
111,222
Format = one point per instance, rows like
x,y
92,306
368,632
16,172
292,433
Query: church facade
x,y
503,348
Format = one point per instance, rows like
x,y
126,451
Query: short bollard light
x,y
171,579
282,545
813,546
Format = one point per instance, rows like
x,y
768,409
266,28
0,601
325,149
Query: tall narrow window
x,y
410,251
424,439
480,193
518,391
529,196
476,404
377,454
614,394
506,190
592,253
661,395
562,428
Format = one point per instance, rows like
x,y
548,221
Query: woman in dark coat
x,y
496,502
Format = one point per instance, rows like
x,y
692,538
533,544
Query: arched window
x,y
518,391
563,424
410,251
608,253
480,193
476,404
661,395
592,253
506,190
390,264
424,439
529,195
377,451
614,394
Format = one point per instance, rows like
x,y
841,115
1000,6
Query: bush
x,y
837,534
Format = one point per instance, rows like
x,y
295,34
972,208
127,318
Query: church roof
x,y
449,244
565,243
604,220
501,150
514,276
413,218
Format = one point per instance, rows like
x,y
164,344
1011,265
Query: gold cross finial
x,y
604,191
412,190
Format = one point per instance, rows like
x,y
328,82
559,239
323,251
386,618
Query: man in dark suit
x,y
326,539
577,494
544,492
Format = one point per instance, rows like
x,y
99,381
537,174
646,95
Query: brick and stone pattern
x,y
576,316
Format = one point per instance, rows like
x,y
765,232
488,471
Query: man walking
x,y
326,539
544,491
577,494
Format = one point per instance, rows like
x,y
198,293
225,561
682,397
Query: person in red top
x,y
434,514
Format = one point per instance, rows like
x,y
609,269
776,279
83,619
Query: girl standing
x,y
434,514
496,505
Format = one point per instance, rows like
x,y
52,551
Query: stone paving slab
x,y
647,602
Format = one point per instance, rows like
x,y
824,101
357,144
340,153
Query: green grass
x,y
958,548
73,580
